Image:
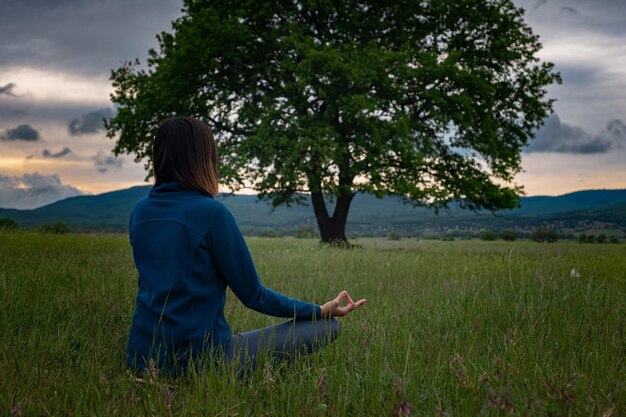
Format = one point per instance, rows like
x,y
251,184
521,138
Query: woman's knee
x,y
326,330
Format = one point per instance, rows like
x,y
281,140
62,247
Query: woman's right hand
x,y
333,308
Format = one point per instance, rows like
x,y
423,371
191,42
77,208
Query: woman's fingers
x,y
344,310
353,306
360,303
349,298
335,307
343,294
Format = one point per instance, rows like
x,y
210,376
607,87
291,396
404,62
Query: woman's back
x,y
181,294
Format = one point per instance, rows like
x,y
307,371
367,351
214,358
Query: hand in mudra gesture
x,y
333,308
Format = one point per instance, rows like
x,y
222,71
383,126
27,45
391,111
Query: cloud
x,y
103,161
22,132
8,89
615,130
559,137
580,75
65,151
33,190
91,122
555,16
571,10
110,31
42,113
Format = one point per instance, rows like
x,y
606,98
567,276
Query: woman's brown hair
x,y
184,151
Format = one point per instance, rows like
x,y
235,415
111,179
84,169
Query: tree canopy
x,y
432,100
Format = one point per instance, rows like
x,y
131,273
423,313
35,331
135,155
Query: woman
x,y
187,249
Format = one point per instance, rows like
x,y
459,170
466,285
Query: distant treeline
x,y
592,212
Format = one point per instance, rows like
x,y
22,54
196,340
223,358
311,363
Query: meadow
x,y
462,328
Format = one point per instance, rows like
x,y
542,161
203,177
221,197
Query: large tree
x,y
431,100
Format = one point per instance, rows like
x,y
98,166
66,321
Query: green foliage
x,y
544,234
8,224
58,228
429,100
393,235
451,328
488,235
508,235
599,238
270,233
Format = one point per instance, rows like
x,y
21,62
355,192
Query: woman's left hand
x,y
333,308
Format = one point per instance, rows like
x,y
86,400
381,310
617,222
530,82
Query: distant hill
x,y
107,211
576,201
368,215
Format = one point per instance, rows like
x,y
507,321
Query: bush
x,y
393,235
508,235
58,228
613,239
270,233
601,238
8,224
544,234
488,235
306,231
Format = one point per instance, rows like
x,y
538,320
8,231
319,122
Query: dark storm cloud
x,y
8,89
570,10
47,154
22,132
91,122
103,162
575,16
37,112
559,137
616,131
85,36
33,190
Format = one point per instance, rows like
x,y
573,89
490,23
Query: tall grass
x,y
450,329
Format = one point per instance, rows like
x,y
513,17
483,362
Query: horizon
x,y
239,193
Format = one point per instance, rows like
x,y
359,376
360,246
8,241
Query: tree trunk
x,y
332,229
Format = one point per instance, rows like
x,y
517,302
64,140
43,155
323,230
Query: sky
x,y
56,57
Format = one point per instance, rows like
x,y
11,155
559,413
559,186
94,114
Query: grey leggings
x,y
281,341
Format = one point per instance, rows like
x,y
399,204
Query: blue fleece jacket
x,y
187,249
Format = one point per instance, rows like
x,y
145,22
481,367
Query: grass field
x,y
450,329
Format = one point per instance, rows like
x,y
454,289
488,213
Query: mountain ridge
x,y
368,215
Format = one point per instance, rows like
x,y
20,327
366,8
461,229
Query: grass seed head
x,y
458,369
404,409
